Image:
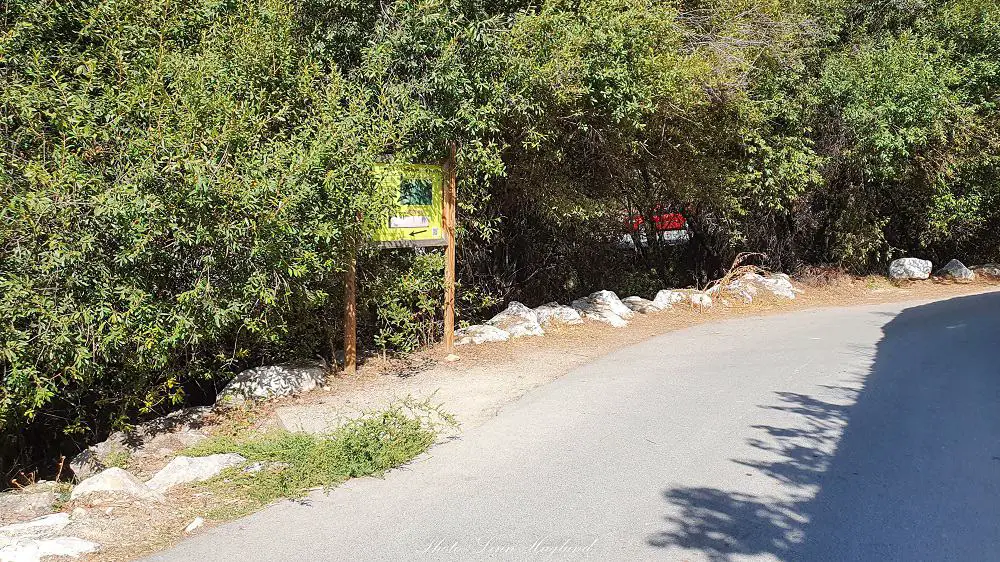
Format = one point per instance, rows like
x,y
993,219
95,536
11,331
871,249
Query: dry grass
x,y
821,276
738,270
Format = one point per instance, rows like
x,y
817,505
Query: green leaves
x,y
904,109
180,181
179,184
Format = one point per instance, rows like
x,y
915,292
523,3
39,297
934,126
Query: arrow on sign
x,y
418,232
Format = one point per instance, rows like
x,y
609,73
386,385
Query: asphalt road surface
x,y
868,433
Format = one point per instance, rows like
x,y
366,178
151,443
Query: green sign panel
x,y
416,220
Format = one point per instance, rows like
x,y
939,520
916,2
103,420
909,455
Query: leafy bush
x,y
409,299
179,182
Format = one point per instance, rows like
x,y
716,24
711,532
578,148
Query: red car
x,y
670,228
661,222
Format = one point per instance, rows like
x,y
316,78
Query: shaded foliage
x,y
180,181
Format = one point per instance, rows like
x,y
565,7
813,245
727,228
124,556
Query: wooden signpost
x,y
351,314
450,196
425,217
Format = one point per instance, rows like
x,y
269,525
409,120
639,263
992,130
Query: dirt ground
x,y
489,376
477,386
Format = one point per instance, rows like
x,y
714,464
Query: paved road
x,y
868,433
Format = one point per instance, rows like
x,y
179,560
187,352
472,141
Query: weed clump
x,y
283,464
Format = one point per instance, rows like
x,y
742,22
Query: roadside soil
x,y
489,376
477,386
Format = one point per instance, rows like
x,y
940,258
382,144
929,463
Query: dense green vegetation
x,y
282,464
179,179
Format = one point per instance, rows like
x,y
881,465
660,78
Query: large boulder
x,y
518,321
86,463
35,549
910,268
153,439
745,287
18,506
666,298
184,470
480,333
555,314
611,300
114,485
604,306
778,284
641,305
39,526
956,270
39,538
273,381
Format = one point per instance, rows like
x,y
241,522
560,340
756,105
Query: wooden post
x,y
449,218
351,314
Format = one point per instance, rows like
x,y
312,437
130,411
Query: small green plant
x,y
283,464
407,297
239,419
63,491
119,458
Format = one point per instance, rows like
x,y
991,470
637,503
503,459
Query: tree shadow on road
x,y
908,468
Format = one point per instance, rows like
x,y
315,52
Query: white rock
x,y
553,313
261,383
956,270
518,321
641,305
38,526
480,333
32,540
610,299
194,525
41,486
604,306
745,288
25,505
172,442
606,317
701,300
114,484
86,463
667,298
778,284
184,470
173,432
34,550
185,419
910,268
